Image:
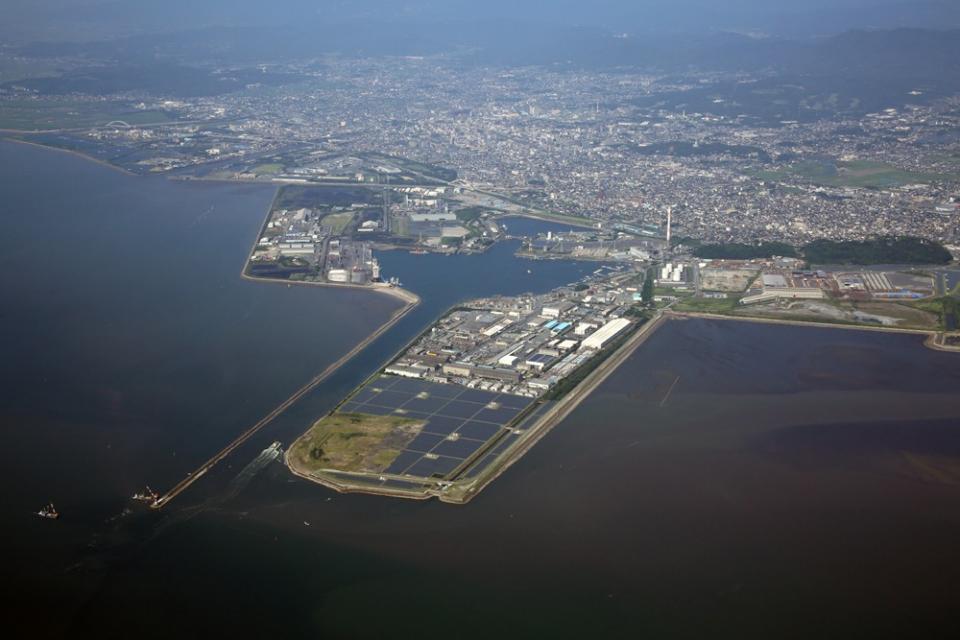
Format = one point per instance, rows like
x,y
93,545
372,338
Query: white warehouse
x,y
604,334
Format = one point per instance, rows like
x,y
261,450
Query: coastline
x,y
802,323
410,299
72,152
462,492
405,295
299,393
931,341
559,411
543,424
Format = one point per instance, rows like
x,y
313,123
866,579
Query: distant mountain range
x,y
870,68
919,53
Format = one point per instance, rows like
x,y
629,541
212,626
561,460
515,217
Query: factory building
x,y
503,375
463,370
407,371
458,369
338,275
779,285
605,334
296,248
583,328
557,309
539,361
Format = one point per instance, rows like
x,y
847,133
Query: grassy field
x,y
469,214
553,215
353,442
857,173
337,222
727,280
17,68
319,196
39,115
268,169
707,305
401,226
936,307
914,316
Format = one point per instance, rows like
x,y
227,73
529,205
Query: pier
x,y
192,477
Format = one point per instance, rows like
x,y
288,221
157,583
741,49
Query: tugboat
x,y
146,496
49,512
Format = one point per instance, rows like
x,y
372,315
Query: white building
x,y
605,334
555,310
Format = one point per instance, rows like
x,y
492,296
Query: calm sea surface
x,y
729,479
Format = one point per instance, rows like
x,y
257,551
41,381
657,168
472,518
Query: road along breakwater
x,y
183,485
935,340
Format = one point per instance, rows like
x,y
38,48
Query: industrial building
x,y
520,346
774,285
600,338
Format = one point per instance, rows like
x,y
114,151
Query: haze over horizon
x,y
81,20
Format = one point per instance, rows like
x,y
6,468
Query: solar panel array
x,y
459,421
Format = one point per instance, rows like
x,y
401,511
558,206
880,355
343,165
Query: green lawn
x,y
469,214
30,115
268,169
337,222
857,173
354,442
707,305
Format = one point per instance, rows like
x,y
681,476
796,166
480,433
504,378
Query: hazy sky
x,y
86,19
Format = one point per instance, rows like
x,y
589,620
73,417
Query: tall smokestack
x,y
669,223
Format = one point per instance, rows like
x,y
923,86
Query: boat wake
x,y
258,464
233,489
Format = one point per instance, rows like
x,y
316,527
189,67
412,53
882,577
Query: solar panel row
x,y
459,421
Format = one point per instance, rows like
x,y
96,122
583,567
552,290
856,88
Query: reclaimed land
x,y
462,490
411,299
930,333
353,442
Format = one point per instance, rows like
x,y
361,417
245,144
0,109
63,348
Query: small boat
x,y
418,252
49,512
146,496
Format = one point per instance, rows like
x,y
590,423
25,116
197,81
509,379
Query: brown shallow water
x,y
783,489
731,479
